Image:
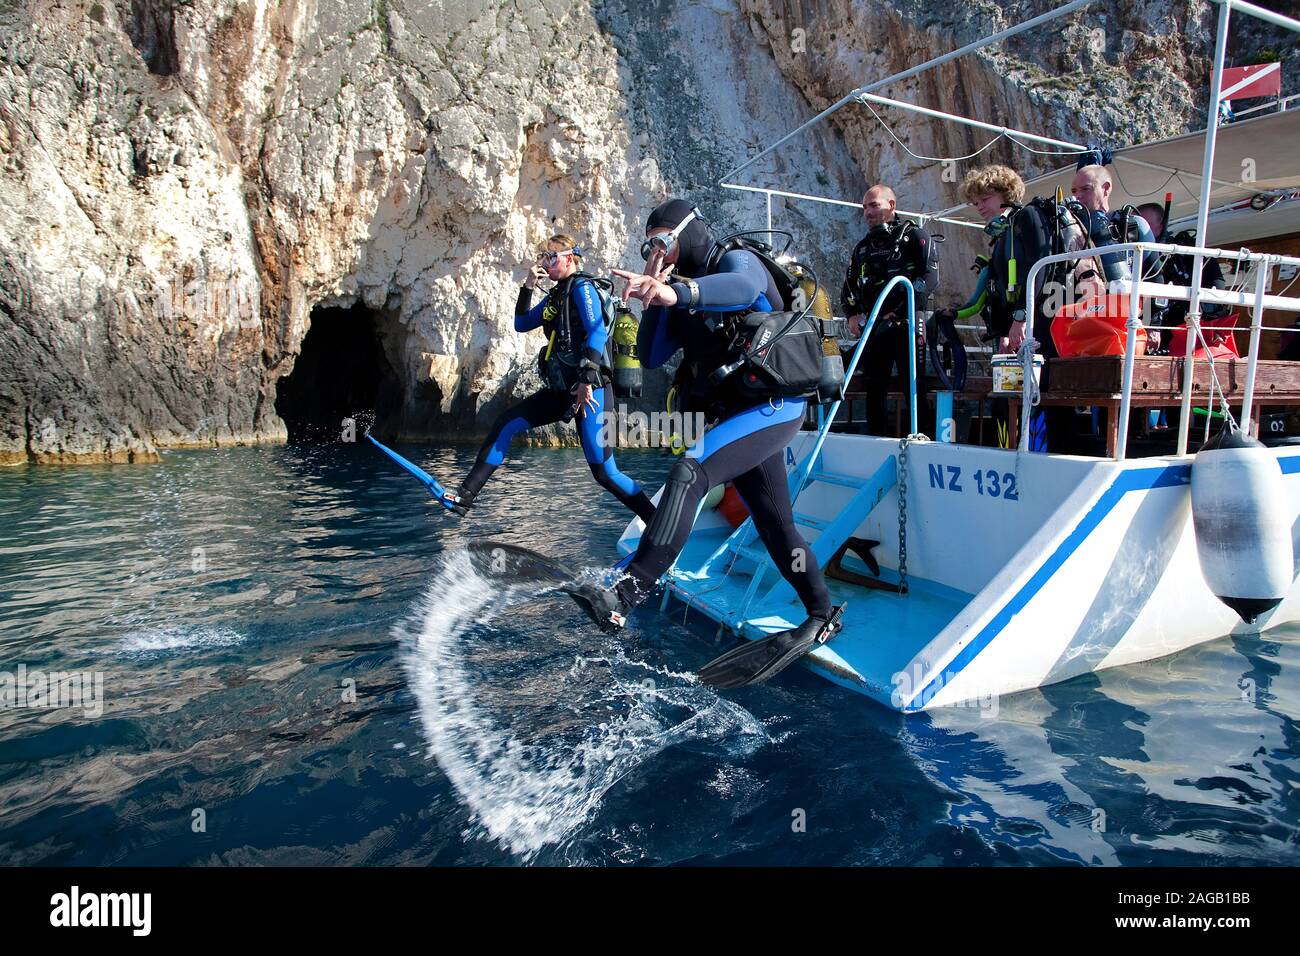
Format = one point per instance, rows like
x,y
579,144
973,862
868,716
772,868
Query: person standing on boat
x,y
1019,236
892,247
574,373
1177,270
1091,186
1172,313
747,440
1018,233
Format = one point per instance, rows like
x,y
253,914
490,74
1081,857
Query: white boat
x,y
1022,569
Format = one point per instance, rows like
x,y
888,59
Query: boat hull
x,y
1024,570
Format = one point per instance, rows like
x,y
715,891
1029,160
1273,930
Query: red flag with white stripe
x,y
1246,82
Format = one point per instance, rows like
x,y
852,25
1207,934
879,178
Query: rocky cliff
x,y
219,216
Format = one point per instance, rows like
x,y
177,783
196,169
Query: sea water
x,y
279,656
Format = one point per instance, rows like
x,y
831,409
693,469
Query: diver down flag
x,y
1246,82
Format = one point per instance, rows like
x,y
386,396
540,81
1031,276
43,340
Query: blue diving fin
x,y
445,498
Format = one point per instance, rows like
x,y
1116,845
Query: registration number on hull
x,y
985,482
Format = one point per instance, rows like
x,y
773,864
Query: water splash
x,y
176,638
617,713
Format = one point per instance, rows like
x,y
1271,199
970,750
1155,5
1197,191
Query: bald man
x,y
891,247
1092,186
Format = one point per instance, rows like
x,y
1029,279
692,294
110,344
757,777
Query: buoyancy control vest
x,y
1042,227
778,354
566,336
894,248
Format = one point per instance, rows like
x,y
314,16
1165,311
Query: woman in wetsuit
x,y
574,373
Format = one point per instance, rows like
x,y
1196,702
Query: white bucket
x,y
1009,374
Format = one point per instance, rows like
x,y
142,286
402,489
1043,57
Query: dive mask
x,y
997,225
550,258
665,243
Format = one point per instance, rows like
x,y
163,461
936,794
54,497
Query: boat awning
x,y
1259,155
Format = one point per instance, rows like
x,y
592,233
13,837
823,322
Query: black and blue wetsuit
x,y
571,315
746,446
1104,230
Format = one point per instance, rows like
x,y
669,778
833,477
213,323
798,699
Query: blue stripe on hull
x,y
1144,479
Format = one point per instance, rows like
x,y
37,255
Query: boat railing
x,y
1258,300
1279,105
828,418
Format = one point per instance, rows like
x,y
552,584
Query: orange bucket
x,y
1095,326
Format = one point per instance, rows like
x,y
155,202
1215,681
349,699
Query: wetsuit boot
x,y
607,605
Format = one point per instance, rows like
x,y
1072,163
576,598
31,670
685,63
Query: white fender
x,y
1242,523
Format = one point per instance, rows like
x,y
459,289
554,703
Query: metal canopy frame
x,y
866,95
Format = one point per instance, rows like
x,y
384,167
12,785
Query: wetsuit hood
x,y
695,242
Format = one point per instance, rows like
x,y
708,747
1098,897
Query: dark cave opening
x,y
151,27
341,373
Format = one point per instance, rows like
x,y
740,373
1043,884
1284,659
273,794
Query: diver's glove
x,y
589,369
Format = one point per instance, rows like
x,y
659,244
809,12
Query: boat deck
x,y
882,632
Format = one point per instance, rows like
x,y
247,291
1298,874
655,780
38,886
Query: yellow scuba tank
x,y
831,384
627,364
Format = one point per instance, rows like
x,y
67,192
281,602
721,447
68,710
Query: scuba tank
x,y
627,364
830,386
806,299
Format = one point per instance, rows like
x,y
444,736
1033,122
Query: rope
x,y
1025,354
927,159
1045,152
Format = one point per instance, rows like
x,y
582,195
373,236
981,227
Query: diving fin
x,y
497,559
757,661
454,503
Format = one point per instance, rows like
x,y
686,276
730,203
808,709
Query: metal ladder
x,y
833,533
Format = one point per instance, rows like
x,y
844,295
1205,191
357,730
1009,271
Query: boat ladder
x,y
834,532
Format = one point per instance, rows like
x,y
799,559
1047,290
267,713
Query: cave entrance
x,y
342,372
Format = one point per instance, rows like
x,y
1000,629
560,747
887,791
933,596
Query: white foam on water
x,y
527,796
178,637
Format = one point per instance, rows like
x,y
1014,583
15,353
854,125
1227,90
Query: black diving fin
x,y
757,661
510,562
498,560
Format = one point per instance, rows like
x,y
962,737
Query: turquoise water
x,y
295,670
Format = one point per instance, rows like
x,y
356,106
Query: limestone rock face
x,y
182,182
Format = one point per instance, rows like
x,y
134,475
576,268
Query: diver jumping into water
x,y
745,445
575,376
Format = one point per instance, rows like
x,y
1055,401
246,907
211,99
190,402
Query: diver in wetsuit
x,y
1177,270
892,247
747,441
575,374
1091,186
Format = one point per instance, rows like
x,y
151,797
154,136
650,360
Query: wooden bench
x,y
1158,383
